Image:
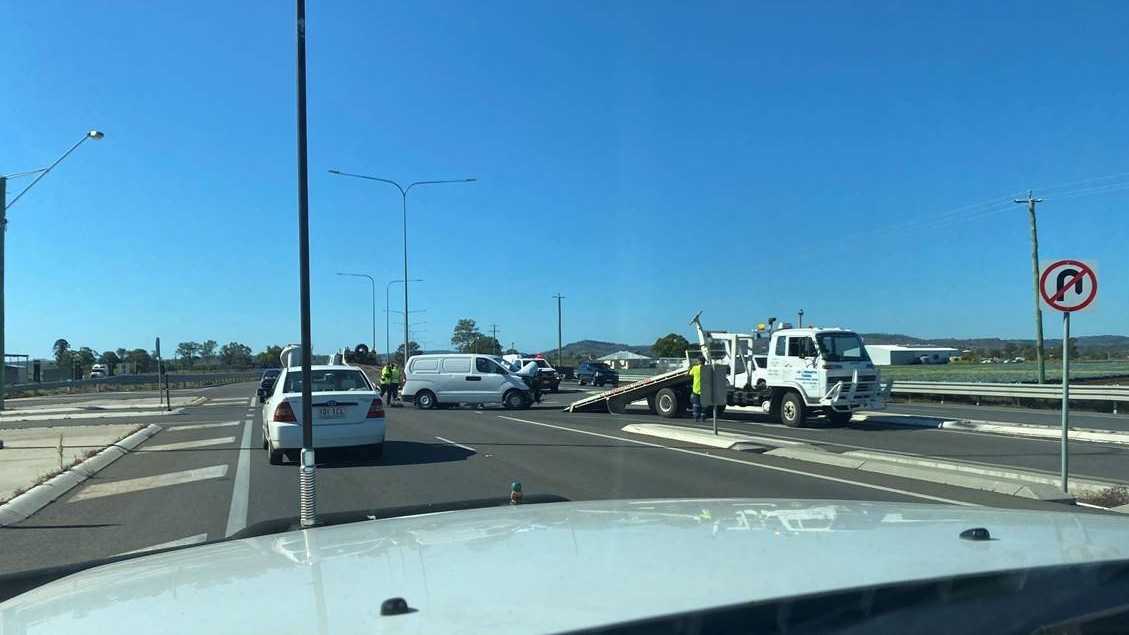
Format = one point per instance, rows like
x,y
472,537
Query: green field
x,y
1001,372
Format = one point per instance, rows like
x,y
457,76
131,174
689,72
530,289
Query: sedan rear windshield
x,y
329,380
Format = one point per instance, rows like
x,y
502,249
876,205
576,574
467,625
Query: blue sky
x,y
645,160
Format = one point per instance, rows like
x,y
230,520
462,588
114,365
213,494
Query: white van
x,y
432,381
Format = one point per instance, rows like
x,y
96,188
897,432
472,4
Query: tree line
x,y
191,355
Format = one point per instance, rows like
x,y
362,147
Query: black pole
x,y
307,506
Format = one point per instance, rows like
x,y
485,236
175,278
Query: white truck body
x,y
803,370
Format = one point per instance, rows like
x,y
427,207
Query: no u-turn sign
x,y
1068,285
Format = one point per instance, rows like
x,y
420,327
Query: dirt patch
x,y
1110,497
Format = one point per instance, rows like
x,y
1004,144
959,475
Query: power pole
x,y
560,361
1039,353
494,328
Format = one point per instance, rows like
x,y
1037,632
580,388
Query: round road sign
x,y
1068,285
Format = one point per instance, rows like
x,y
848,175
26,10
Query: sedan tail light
x,y
285,413
376,410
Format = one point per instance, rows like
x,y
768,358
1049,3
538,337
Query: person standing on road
x,y
531,374
696,390
386,382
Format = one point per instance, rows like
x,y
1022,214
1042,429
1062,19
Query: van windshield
x,y
841,347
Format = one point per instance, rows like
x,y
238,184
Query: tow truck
x,y
803,371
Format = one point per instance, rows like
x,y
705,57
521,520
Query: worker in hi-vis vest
x,y
696,390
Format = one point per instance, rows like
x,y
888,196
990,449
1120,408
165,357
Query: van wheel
x,y
793,412
425,400
667,404
514,400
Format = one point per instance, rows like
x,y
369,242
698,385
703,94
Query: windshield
x,y
880,225
327,380
841,347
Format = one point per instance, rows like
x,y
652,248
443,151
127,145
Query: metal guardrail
x,y
147,378
1078,392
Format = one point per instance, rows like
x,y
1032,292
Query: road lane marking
x,y
127,486
251,401
188,445
774,468
226,400
202,426
460,445
241,491
190,540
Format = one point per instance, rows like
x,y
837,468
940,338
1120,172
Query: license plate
x,y
331,412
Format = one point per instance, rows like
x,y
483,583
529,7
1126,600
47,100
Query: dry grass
x,y
46,476
1109,497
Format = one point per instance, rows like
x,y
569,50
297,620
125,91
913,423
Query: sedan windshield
x,y
841,347
329,380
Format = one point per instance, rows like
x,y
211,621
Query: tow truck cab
x,y
825,368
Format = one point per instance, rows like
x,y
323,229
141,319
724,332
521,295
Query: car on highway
x,y
438,380
347,412
596,373
266,383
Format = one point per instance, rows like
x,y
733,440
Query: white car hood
x,y
550,567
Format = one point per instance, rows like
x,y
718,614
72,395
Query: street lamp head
x,y
470,180
335,171
95,134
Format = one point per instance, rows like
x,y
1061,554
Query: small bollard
x,y
60,450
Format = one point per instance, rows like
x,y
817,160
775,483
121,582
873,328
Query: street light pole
x,y
307,494
373,281
404,208
4,206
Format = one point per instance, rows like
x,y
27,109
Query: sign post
x,y
160,372
1067,286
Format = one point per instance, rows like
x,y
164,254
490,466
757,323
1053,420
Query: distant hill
x,y
594,348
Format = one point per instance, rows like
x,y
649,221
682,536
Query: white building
x,y
627,359
896,354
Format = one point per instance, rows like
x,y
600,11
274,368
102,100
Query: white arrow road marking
x,y
190,540
188,445
149,482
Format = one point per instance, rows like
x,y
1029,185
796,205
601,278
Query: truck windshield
x,y
841,347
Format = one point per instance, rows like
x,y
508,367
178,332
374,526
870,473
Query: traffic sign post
x,y
1067,286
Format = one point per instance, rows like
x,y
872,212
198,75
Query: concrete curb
x,y
1006,428
722,440
1024,484
1042,432
21,507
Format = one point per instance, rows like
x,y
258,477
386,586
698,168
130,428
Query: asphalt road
x,y
205,476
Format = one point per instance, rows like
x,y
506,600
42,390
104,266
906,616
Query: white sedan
x,y
347,412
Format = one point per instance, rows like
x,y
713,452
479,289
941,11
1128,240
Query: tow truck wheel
x,y
792,410
668,404
839,418
651,405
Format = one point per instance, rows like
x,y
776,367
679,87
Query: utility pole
x,y
559,297
494,329
1039,353
3,231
